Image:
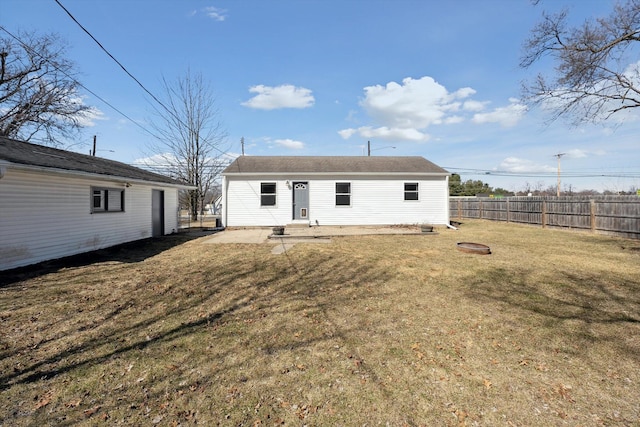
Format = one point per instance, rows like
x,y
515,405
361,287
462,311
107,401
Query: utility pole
x,y
242,144
559,155
94,146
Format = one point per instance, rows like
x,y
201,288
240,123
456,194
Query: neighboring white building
x,y
56,203
271,191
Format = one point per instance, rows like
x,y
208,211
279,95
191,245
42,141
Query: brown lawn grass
x,y
397,330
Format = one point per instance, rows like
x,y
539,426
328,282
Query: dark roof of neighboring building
x,y
333,164
25,153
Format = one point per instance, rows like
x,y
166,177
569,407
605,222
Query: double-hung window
x,y
267,194
107,200
411,191
343,194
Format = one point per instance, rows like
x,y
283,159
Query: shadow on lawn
x,y
127,252
609,302
207,296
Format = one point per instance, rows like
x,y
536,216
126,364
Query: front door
x,y
300,200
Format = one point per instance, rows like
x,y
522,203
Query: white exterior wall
x,y
374,201
46,216
241,206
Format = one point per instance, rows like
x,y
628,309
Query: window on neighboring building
x,y
343,194
267,194
411,191
107,200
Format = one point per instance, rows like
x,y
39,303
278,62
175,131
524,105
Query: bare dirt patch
x,y
404,330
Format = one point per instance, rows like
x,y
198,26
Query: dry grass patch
x,y
403,330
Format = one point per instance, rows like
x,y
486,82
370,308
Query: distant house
x,y
55,203
214,207
269,191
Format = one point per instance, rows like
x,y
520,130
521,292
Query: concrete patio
x,y
298,234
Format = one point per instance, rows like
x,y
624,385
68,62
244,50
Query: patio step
x,y
301,224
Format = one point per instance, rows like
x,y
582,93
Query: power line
x,y
33,52
170,112
565,173
110,55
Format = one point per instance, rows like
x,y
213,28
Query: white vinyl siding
x,y
373,201
381,202
242,206
46,216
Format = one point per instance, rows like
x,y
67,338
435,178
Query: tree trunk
x,y
194,205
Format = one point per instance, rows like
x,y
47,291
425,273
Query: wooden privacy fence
x,y
615,215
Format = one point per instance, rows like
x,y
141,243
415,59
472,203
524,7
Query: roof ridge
x,y
333,164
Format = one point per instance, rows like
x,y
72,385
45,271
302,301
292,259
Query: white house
x,y
271,191
55,203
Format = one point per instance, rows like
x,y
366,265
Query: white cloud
x,y
471,105
416,103
506,116
597,108
290,143
452,120
155,159
351,116
347,133
284,96
404,111
577,153
159,163
169,163
386,133
215,13
514,164
89,117
465,92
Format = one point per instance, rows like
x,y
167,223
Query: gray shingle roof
x,y
333,164
25,153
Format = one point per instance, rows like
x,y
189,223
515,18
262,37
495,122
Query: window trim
x,y
342,194
415,192
104,199
263,194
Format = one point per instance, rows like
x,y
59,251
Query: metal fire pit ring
x,y
473,248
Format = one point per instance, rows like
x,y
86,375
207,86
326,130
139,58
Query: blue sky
x,y
438,79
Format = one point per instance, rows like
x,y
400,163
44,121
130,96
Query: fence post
x,y
592,213
508,210
480,208
544,213
459,209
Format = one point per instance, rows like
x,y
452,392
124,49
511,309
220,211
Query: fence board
x,y
615,215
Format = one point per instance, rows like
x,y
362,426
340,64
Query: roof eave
x,y
96,176
244,174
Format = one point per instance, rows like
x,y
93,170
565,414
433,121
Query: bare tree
x,y
190,137
39,96
594,77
